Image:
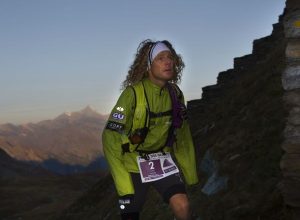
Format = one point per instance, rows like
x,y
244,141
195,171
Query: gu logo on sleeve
x,y
118,116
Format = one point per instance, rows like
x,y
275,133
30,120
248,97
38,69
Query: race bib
x,y
157,167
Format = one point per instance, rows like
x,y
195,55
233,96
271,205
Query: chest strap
x,y
160,114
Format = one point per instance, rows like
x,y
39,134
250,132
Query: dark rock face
x,y
250,122
290,162
241,121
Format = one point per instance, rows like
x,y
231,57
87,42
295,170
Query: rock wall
x,y
222,121
247,128
290,162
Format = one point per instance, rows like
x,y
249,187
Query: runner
x,y
147,140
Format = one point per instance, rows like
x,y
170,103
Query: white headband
x,y
156,49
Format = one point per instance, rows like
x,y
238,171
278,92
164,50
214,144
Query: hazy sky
x,y
62,55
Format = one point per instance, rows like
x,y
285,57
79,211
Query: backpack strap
x,y
159,114
178,112
141,107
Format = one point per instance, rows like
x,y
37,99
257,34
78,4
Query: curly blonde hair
x,y
139,69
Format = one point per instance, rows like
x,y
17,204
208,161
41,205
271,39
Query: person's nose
x,y
168,61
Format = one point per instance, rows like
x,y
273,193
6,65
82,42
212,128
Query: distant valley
x,y
30,192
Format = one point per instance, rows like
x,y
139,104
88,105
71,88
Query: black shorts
x,y
167,187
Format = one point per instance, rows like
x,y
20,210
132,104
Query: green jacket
x,y
120,124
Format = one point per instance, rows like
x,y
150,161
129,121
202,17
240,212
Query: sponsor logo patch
x,y
119,108
124,201
118,116
114,126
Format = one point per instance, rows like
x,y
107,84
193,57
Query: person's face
x,y
162,68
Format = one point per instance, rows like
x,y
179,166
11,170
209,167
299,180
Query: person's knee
x,y
180,205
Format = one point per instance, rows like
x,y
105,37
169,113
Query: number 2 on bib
x,y
151,164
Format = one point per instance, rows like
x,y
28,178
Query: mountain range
x,y
66,144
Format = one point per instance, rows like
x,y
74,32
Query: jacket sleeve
x,y
184,152
114,135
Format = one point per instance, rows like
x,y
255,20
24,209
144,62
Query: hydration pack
x,y
143,114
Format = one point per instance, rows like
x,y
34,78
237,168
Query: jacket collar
x,y
150,85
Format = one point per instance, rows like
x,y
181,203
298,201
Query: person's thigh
x,y
169,186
